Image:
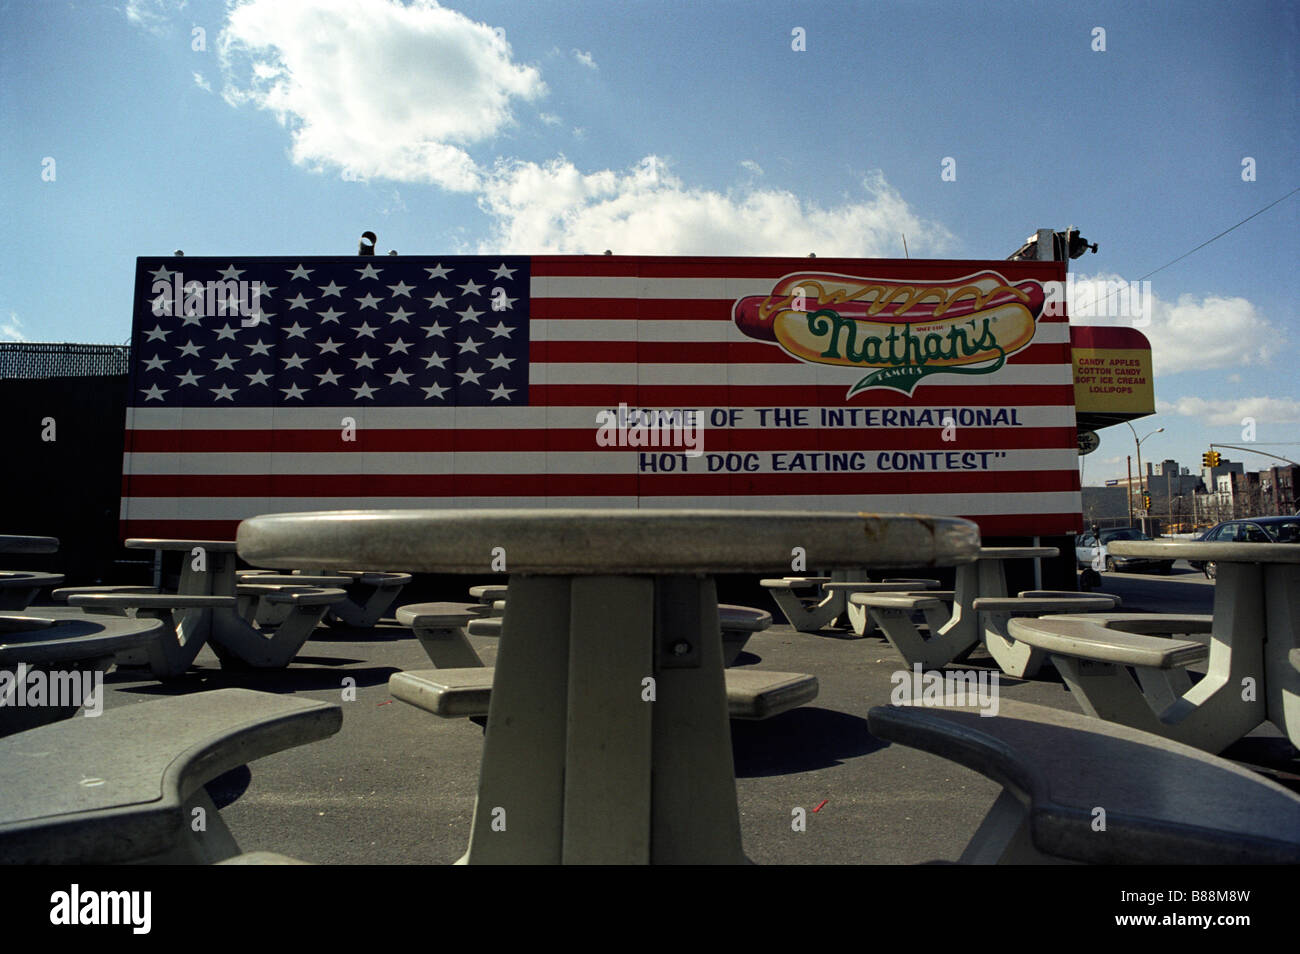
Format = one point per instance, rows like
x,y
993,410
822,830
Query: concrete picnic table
x,y
953,634
231,637
216,577
1256,625
608,739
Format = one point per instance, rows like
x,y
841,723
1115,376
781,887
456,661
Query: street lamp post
x,y
1142,486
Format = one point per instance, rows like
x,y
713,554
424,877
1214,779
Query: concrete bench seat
x,y
62,653
172,655
39,640
467,692
1088,640
485,626
1019,659
449,646
270,577
755,694
1164,624
490,595
62,594
440,628
261,858
456,693
1099,659
1165,803
19,587
738,623
148,764
461,686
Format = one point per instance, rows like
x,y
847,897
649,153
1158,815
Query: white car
x,y
1091,553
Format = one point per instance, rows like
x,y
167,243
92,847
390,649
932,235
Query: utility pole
x,y
1129,463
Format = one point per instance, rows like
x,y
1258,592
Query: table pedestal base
x,y
608,739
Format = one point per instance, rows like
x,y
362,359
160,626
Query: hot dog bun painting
x,y
904,330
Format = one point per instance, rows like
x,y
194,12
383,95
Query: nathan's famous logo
x,y
907,330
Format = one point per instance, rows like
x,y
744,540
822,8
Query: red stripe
x,y
375,440
797,395
596,485
1027,525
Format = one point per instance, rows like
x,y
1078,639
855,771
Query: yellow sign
x,y
1110,379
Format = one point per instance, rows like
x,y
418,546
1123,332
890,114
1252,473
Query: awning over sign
x,y
1112,376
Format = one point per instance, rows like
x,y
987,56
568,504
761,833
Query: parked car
x,y
1087,547
1250,530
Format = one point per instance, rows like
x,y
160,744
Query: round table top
x,y
598,542
1018,553
216,546
1211,551
20,544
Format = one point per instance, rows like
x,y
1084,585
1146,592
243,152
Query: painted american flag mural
x,y
286,384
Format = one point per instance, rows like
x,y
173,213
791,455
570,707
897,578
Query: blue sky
x,y
678,128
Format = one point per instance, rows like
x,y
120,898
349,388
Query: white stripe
x,y
616,460
241,508
514,418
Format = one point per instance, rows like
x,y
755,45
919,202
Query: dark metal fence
x,y
29,359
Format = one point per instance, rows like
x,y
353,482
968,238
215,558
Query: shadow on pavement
x,y
802,740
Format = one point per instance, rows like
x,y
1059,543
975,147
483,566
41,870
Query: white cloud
x,y
375,87
1229,412
152,15
202,83
646,210
586,59
550,119
1188,334
395,204
752,167
11,330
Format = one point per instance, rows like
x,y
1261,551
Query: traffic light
x,y
1146,501
1210,459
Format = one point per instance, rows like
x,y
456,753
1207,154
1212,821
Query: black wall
x,y
69,487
